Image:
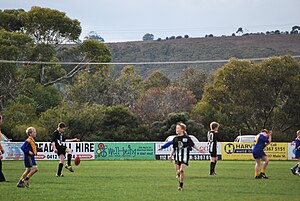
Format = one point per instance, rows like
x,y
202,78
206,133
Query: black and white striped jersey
x,y
182,146
212,141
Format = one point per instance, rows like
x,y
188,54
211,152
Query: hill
x,y
193,49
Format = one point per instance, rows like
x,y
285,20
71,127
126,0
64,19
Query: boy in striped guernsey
x,y
212,137
182,145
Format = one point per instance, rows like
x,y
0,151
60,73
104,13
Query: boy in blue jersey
x,y
262,140
30,150
295,169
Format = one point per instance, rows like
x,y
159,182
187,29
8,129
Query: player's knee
x,y
181,171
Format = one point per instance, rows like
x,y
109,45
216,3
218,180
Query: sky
x,y
130,20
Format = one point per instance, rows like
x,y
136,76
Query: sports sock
x,y
69,159
60,166
257,174
212,167
295,166
263,171
27,177
181,184
215,166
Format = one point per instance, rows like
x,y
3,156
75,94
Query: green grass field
x,y
151,180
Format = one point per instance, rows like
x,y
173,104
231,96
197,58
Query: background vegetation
x,y
117,103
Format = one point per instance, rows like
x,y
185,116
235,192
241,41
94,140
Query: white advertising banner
x,y
194,154
291,147
85,150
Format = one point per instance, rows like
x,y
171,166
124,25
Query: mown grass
x,y
151,180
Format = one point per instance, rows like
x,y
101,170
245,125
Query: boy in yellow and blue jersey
x,y
262,140
30,150
296,151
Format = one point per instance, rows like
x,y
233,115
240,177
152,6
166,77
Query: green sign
x,y
124,150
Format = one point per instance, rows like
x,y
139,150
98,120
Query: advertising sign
x,y
194,154
243,151
291,154
85,150
124,151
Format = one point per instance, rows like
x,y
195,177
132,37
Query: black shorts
x,y
181,162
61,150
213,153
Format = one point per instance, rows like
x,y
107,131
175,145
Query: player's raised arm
x,y
270,136
73,140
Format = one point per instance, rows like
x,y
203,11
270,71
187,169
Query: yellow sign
x,y
243,151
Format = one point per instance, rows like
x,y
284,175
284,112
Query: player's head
x,y
214,126
264,131
180,128
298,133
31,131
61,127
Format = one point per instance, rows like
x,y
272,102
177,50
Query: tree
x,y
247,96
120,124
193,80
148,36
149,106
43,98
13,46
156,79
95,36
94,84
41,72
84,121
92,88
18,114
95,51
162,129
91,51
240,30
50,26
12,20
157,103
295,30
129,87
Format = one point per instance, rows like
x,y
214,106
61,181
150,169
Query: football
x,y
77,160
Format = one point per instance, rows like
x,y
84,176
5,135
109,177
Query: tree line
x,y
99,104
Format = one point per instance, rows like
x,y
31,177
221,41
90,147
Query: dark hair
x,y
213,125
61,125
